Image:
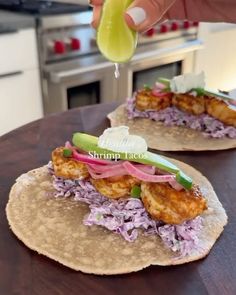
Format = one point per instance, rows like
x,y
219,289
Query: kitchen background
x,y
49,61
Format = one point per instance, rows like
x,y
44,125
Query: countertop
x,y
15,21
24,272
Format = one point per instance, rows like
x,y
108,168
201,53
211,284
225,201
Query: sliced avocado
x,y
164,81
89,143
184,180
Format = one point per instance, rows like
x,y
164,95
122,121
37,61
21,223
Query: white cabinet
x,y
18,50
20,90
218,58
20,100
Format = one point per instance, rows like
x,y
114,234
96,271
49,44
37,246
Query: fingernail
x,y
137,14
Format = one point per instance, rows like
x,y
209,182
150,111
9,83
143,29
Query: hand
x,y
143,14
140,16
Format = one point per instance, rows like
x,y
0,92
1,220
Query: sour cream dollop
x,y
185,83
118,139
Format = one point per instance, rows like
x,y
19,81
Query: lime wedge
x,y
116,41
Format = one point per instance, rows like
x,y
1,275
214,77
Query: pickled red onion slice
x,y
109,173
158,93
101,168
87,159
176,185
135,172
160,86
98,168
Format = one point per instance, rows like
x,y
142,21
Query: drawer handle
x,y
11,74
5,31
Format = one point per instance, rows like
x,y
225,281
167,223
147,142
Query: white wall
x,y
218,58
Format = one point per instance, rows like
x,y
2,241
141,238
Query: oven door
x,y
146,66
74,84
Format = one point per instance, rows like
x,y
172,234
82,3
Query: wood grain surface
x,y
24,272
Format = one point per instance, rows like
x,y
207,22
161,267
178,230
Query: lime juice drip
x,y
117,71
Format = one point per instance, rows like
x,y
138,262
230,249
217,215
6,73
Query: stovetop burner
x,y
41,7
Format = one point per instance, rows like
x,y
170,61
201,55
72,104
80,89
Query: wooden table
x,y
24,272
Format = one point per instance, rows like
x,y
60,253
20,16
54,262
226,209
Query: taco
x,y
104,211
180,114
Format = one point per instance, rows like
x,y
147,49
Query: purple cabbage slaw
x,y
126,216
171,116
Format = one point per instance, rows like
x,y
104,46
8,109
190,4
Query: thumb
x,y
143,14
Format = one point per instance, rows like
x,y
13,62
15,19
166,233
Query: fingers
x,y
96,16
97,9
140,16
95,2
143,14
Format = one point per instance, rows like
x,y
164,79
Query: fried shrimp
x,y
115,187
145,100
68,167
220,110
166,204
189,103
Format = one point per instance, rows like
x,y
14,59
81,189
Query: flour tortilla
x,y
54,227
167,138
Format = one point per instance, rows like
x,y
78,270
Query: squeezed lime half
x,y
116,41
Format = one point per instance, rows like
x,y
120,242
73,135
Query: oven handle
x,y
58,77
165,52
7,30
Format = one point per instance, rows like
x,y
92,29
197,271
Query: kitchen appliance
x,y
73,71
41,7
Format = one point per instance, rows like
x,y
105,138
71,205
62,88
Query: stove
x,y
41,7
64,31
74,73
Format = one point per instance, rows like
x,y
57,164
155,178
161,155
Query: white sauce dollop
x,y
118,139
185,83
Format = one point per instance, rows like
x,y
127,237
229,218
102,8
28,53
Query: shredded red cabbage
x,y
181,238
126,216
209,126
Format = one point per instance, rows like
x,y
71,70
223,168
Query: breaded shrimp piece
x,y
115,187
166,204
220,110
189,103
145,100
68,167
